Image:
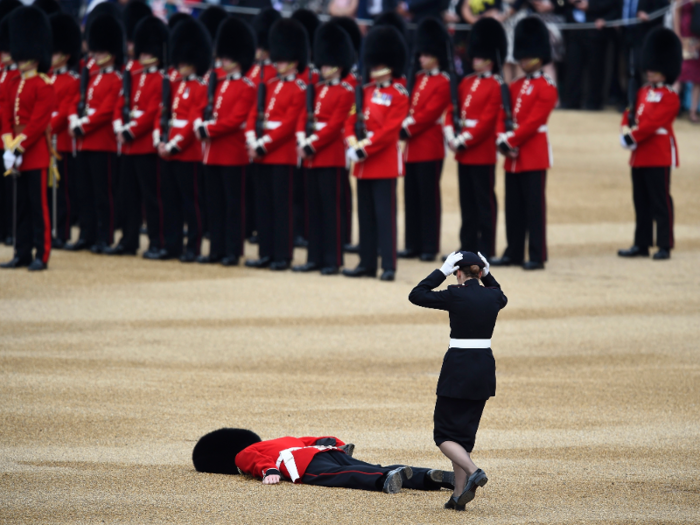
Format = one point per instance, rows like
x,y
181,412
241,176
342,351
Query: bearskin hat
x,y
212,17
532,40
66,37
150,36
236,41
289,43
30,37
384,45
103,8
487,39
663,52
216,452
261,25
432,39
333,47
311,23
392,18
190,44
6,7
353,31
134,12
176,19
106,34
48,6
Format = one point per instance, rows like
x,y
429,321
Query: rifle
x,y
360,126
310,100
84,82
632,89
454,95
262,95
126,88
505,98
211,93
165,112
411,79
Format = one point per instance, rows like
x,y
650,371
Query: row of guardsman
x,y
246,138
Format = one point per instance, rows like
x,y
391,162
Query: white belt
x,y
54,114
662,131
178,122
542,129
469,123
319,125
287,458
272,124
136,113
470,343
91,112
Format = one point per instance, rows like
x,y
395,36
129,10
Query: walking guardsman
x,y
648,133
29,102
527,149
474,144
178,146
91,125
221,130
134,117
271,141
321,145
425,148
377,155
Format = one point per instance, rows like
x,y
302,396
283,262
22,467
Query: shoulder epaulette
x,y
347,86
45,78
400,89
301,84
499,79
249,82
74,75
446,75
119,75
548,79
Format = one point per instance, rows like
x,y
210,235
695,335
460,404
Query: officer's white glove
x,y
485,270
450,263
351,155
18,161
627,142
8,158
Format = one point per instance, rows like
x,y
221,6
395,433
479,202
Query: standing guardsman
x,y
91,125
271,141
66,83
134,116
178,146
8,71
377,155
134,11
648,134
26,116
474,141
425,148
323,150
225,156
527,149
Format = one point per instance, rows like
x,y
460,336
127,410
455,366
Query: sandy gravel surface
x,y
111,369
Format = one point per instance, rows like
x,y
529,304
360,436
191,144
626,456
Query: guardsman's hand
x,y
272,479
450,264
163,151
485,271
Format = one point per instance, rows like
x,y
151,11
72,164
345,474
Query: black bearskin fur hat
x,y
212,17
662,52
107,34
66,37
385,45
216,452
532,40
333,47
289,43
487,39
134,12
48,6
236,41
432,39
392,18
353,31
30,37
311,23
176,19
103,8
261,25
190,44
6,7
150,36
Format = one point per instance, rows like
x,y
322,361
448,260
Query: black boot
x,y
634,251
308,267
263,262
37,266
16,262
662,254
360,271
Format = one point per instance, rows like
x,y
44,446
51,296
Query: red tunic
x,y
430,98
146,95
657,107
534,97
254,72
353,79
480,105
27,112
285,100
103,91
333,103
290,455
385,108
8,75
66,85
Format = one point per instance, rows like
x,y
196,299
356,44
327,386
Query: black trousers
x,y
477,200
324,199
182,206
423,206
526,215
140,190
5,207
651,192
376,210
33,222
96,186
274,193
301,212
336,469
346,199
585,64
226,209
65,196
250,201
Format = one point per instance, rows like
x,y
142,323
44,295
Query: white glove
x,y
485,270
450,263
351,155
624,144
8,158
18,161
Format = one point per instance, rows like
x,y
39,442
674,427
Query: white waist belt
x,y
272,124
469,123
662,131
542,128
179,122
470,343
136,113
287,458
320,125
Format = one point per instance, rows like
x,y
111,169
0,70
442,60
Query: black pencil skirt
x,y
457,420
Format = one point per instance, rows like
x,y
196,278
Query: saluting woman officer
x,y
468,375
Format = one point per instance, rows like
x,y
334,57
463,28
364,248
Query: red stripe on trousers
x,y
161,233
437,202
338,240
67,197
492,201
291,211
197,212
344,472
45,215
110,198
544,218
671,240
393,221
242,245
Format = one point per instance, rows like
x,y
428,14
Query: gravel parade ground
x,y
111,368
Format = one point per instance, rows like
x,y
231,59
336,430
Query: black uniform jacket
x,y
466,373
